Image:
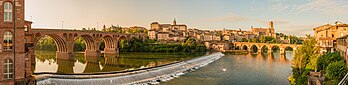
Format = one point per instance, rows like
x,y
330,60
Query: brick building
x,y
7,40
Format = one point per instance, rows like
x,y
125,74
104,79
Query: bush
x,y
328,58
336,70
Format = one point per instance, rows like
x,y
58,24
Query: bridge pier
x,y
65,55
259,50
282,51
111,51
270,51
92,53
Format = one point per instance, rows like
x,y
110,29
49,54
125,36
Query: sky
x,y
294,17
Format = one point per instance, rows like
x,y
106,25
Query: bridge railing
x,y
344,81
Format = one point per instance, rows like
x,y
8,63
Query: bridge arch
x,y
254,49
122,40
89,41
110,44
60,43
264,49
275,48
244,47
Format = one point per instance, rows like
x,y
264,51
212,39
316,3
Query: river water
x,y
251,69
241,70
47,61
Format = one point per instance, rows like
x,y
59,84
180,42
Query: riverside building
x,y
16,42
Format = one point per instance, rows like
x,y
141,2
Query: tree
x,y
190,42
307,55
244,40
305,60
263,39
328,58
336,70
254,40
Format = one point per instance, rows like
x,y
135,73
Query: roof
x,y
154,23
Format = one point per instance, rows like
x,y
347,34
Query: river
x,y
241,70
251,69
47,61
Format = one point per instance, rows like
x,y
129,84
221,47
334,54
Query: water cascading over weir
x,y
152,75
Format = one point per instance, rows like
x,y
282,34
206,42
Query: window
x,y
8,40
25,28
8,11
8,69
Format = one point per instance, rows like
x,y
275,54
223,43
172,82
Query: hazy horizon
x,y
296,17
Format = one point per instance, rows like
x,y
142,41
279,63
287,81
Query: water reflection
x,y
273,57
80,63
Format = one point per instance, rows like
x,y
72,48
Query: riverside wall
x,y
152,75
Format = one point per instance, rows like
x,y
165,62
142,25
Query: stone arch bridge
x,y
65,40
259,46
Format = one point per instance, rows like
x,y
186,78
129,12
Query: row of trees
x,y
138,45
308,59
262,39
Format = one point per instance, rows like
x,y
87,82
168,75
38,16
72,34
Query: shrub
x,y
336,70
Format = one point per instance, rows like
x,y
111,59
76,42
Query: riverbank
x,y
236,52
150,75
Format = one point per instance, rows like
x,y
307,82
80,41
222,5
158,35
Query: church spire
x,y
174,22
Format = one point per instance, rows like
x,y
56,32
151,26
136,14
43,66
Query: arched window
x,y
8,11
8,40
8,69
25,28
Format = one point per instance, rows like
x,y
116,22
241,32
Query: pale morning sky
x,y
296,17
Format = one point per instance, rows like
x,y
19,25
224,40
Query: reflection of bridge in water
x,y
95,64
271,57
265,47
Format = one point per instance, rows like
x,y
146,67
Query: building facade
x,y
265,31
174,31
14,42
342,46
327,35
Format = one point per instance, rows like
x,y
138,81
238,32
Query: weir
x,y
152,75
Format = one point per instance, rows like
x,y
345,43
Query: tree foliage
x,y
306,57
328,58
137,45
46,43
336,70
80,45
305,60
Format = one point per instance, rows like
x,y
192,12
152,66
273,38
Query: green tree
x,y
336,71
79,45
328,58
263,39
305,60
254,40
244,40
190,42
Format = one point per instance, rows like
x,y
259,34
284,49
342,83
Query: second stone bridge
x,y
259,46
